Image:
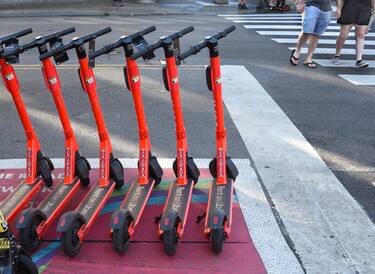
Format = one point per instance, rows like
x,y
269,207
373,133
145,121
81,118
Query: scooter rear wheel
x,y
170,240
70,241
121,238
25,265
217,240
28,235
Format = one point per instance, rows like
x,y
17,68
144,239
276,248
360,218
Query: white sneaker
x,y
336,60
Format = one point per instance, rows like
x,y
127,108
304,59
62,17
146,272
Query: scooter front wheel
x,y
25,265
121,237
170,241
29,236
217,240
70,241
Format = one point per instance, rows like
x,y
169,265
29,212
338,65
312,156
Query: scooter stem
x,y
32,145
89,83
221,145
144,138
71,145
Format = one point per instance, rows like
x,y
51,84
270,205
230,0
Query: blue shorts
x,y
315,21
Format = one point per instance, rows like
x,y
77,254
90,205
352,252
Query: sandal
x,y
311,65
293,59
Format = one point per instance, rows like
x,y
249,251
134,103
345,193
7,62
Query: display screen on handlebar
x,y
140,43
13,59
60,57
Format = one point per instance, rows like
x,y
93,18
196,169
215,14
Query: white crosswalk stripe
x,y
321,41
296,33
277,27
359,80
343,63
285,28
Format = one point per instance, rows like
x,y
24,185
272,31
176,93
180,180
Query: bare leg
x,y
302,39
360,33
312,46
344,32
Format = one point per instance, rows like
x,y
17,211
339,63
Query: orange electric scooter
x,y
125,219
75,225
173,219
34,222
38,166
220,202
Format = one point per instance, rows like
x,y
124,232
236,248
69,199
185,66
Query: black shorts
x,y
356,12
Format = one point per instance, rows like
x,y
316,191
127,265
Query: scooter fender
x,y
118,218
216,220
168,220
26,216
67,219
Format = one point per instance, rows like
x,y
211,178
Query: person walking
x,y
242,5
353,13
315,20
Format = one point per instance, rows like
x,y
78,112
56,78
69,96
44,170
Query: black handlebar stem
x,y
38,41
209,41
76,43
124,41
165,42
15,36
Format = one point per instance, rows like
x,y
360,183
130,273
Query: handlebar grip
x,y
102,31
229,29
99,52
15,35
186,30
187,53
66,31
93,35
23,32
148,30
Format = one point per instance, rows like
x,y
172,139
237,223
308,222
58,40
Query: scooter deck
x,y
220,197
18,199
95,200
136,199
178,199
58,197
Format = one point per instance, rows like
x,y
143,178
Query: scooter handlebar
x,y
39,40
159,43
197,48
75,43
108,48
144,32
15,35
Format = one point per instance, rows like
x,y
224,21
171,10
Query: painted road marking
x,y
329,229
281,27
321,41
332,51
296,33
343,63
359,80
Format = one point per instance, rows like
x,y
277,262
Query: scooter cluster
x,y
34,222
